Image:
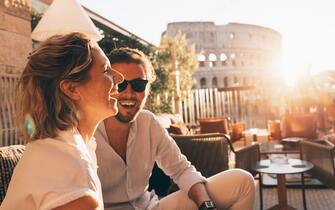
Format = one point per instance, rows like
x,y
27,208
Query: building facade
x,y
233,54
14,36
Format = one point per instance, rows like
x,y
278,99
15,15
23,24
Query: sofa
x,y
9,157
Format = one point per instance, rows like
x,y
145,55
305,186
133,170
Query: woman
x,y
66,89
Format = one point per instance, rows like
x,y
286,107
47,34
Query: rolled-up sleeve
x,y
170,159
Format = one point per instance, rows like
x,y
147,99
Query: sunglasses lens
x,y
138,85
122,86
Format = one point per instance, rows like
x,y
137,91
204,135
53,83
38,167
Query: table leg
x,y
303,191
282,197
281,188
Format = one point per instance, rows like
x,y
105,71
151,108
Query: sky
x,y
307,26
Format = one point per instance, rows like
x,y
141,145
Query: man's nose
x,y
128,90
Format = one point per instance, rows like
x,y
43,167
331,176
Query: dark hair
x,y
41,103
129,55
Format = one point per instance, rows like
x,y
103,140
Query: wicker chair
x,y
246,158
207,152
322,156
224,126
9,157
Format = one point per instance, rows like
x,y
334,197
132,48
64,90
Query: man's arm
x,y
198,193
83,203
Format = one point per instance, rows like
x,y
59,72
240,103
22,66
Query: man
x,y
129,144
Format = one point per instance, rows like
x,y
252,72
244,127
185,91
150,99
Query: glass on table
x,y
278,159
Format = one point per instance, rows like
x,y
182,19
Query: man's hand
x,y
198,193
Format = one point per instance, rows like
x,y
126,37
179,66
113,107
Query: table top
x,y
256,131
292,166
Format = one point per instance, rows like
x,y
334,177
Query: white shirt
x,y
124,186
53,172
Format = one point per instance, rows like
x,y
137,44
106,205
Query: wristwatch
x,y
207,205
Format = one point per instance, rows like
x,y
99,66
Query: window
x,y
214,82
203,83
225,81
212,57
235,80
223,57
201,58
231,35
212,60
234,63
211,37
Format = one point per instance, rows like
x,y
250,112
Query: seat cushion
x,y
9,157
214,125
178,128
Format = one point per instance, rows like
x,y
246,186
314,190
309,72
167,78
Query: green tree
x,y
173,52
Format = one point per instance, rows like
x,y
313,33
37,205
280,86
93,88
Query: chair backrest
x,y
247,157
207,152
213,125
299,125
322,156
273,127
9,157
237,131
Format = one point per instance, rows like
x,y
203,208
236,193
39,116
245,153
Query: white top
x,y
53,172
124,185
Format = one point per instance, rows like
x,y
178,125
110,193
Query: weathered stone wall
x,y
233,54
15,30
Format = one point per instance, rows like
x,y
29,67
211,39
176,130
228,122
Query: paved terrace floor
x,y
316,198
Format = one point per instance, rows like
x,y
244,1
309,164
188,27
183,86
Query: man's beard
x,y
125,119
131,117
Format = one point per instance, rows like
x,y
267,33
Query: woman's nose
x,y
117,77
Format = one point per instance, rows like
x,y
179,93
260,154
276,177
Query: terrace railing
x,y
239,103
8,128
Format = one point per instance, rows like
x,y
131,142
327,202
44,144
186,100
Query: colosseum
x,y
233,54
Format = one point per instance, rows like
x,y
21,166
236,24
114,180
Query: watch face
x,y
209,204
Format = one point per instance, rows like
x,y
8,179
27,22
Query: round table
x,y
292,166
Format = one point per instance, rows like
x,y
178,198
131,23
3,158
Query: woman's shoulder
x,y
49,154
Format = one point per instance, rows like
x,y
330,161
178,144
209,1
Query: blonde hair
x,y
42,107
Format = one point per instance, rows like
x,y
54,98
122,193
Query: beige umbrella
x,y
64,16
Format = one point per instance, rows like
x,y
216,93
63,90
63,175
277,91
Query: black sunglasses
x,y
138,85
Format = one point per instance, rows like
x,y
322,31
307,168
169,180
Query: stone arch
x,y
201,59
223,59
212,60
203,82
225,82
235,79
214,82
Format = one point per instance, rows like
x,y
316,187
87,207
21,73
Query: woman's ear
x,y
70,89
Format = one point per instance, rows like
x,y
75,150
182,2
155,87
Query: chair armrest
x,y
247,157
322,156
